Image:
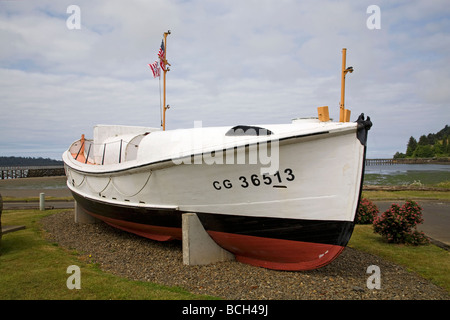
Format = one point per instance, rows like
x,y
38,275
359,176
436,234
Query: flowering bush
x,y
398,224
367,212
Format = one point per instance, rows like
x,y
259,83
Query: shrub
x,y
367,212
398,224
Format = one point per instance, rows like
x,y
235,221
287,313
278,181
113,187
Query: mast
x,y
344,115
165,107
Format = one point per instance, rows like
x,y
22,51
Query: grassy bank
x,y
33,268
36,199
414,191
407,194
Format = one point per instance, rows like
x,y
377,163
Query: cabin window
x,y
242,130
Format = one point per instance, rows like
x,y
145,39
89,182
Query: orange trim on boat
x,y
81,158
80,155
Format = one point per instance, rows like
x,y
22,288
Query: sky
x,y
65,70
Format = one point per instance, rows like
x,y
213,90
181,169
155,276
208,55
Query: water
x,y
44,183
406,174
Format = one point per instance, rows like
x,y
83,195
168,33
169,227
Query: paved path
x,y
35,205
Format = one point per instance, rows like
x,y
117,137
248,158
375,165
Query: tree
x,y
423,140
429,146
423,151
412,145
445,144
399,155
431,138
438,150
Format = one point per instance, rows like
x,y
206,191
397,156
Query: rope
x,y
110,181
73,180
128,196
95,191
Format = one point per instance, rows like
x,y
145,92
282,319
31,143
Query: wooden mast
x,y
164,85
344,115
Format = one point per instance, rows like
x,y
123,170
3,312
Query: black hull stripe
x,y
315,231
154,217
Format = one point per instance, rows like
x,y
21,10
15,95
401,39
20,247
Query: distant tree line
x,y
28,162
433,145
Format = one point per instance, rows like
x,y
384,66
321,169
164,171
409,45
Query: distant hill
x,y
429,146
28,162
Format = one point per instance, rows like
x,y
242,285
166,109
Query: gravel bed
x,y
137,258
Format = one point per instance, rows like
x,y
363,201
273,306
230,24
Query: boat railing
x,y
83,150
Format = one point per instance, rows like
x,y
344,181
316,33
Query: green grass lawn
x,y
429,261
33,268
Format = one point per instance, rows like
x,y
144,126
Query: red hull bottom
x,y
268,253
143,230
277,254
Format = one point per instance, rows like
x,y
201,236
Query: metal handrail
x,y
91,143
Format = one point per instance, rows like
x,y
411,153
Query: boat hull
x,y
299,217
281,244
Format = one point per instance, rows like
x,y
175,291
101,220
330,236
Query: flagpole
x,y
165,71
344,114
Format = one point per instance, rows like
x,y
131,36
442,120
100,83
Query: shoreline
x,y
393,161
402,188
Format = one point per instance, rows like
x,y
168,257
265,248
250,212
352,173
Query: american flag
x,y
162,56
155,69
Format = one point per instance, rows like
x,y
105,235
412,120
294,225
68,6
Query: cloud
x,y
232,62
51,110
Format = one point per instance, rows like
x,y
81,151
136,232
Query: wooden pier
x,y
378,162
391,161
27,172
